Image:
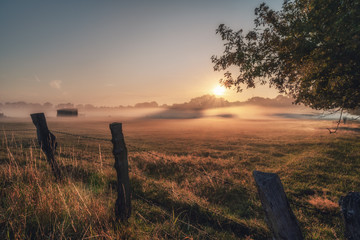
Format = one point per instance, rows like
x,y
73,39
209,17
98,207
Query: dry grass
x,y
194,183
322,203
37,206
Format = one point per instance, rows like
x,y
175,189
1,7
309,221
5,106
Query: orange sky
x,y
115,52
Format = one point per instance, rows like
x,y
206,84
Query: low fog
x,y
247,112
207,106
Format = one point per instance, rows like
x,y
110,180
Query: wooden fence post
x,y
47,141
123,202
280,218
350,208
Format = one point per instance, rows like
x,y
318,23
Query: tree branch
x,y
338,123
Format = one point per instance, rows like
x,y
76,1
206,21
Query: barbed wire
x,y
82,136
17,130
196,170
140,149
166,160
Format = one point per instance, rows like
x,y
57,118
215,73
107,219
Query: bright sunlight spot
x,y
219,90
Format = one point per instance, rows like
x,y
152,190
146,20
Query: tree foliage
x,y
310,49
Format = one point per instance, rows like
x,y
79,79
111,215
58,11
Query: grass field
x,y
191,179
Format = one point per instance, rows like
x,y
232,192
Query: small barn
x,y
67,112
1,115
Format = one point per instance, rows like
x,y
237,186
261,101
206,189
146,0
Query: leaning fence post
x,y
123,202
350,208
280,218
47,141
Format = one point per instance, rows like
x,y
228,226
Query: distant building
x,y
67,112
1,115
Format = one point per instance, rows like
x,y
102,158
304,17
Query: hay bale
x,y
67,112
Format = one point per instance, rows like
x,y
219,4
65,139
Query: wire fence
x,y
167,160
82,136
151,153
18,130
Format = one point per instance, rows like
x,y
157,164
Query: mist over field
x,y
247,112
207,106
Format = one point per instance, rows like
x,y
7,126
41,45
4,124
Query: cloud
x,y
37,78
56,84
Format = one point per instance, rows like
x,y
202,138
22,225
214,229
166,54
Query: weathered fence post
x,y
350,208
47,141
123,202
280,218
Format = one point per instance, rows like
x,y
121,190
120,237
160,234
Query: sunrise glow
x,y
219,90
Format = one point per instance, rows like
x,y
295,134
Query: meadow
x,y
191,178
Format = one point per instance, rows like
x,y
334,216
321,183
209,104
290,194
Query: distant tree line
x,y
203,102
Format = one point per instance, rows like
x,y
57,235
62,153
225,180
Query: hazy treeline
x,y
203,102
210,101
48,105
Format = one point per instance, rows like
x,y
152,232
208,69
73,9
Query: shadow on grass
x,y
234,198
195,214
350,129
91,178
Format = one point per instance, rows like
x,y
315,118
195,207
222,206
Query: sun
x,y
219,90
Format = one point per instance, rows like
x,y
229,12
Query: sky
x,y
110,53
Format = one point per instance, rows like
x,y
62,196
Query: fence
x,y
280,218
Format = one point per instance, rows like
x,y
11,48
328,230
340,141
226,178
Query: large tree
x,y
310,50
